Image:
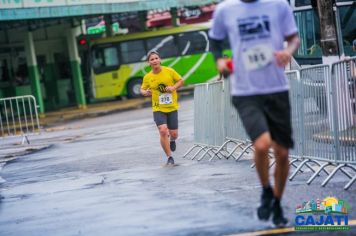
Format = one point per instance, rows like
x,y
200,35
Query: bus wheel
x,y
133,88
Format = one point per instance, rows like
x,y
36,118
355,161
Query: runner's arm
x,y
145,88
217,34
216,50
145,92
176,86
283,57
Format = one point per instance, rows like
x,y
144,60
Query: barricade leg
x,y
272,164
305,162
312,169
249,146
205,153
317,172
222,146
221,155
298,168
197,153
25,138
348,185
339,167
231,153
332,174
221,149
217,154
191,149
346,173
294,165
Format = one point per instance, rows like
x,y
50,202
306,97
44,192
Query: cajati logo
x,y
330,214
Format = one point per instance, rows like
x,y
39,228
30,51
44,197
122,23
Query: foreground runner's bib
x,y
257,57
165,99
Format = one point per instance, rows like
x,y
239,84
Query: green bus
x,y
116,65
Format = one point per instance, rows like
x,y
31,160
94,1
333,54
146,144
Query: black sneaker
x,y
278,219
172,145
265,209
170,161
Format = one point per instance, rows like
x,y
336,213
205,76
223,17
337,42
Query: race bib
x,y
257,57
165,99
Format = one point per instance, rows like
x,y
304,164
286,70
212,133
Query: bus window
x,y
165,46
193,42
105,59
132,51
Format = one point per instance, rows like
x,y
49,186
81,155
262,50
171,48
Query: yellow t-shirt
x,y
161,100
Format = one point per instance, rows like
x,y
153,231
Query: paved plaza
x,y
106,176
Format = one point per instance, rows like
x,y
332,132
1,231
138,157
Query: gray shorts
x,y
266,113
169,118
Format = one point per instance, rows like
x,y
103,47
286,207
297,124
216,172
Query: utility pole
x,y
108,26
328,31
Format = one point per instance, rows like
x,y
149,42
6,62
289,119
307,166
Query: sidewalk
x,y
11,148
92,110
99,109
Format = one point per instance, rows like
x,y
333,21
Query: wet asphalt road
x,y
106,176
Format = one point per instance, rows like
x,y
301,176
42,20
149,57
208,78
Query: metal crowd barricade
x,y
296,102
216,124
323,118
343,86
200,125
208,119
19,117
234,131
309,117
215,118
323,113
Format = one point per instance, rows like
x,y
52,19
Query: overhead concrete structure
x,y
38,45
36,9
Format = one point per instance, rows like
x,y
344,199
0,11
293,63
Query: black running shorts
x,y
169,118
266,113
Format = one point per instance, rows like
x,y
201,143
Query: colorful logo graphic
x,y
330,214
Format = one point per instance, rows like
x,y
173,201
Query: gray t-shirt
x,y
256,30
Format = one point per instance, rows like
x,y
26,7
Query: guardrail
x,y
323,102
19,117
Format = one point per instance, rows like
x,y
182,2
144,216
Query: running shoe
x,y
278,218
265,209
172,145
170,161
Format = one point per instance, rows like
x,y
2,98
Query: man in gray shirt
x,y
257,30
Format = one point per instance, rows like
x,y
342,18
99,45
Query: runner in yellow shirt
x,y
161,83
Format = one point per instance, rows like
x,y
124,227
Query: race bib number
x,y
165,98
257,57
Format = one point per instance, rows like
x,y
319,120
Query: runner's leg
x,y
280,177
172,123
173,134
282,169
261,146
164,139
